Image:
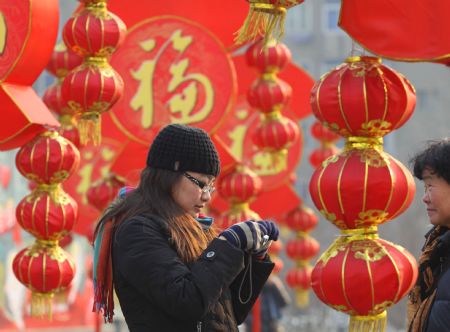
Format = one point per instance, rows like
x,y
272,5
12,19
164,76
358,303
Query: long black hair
x,y
153,196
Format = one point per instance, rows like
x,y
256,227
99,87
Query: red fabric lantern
x,y
94,31
271,58
91,89
279,264
299,278
236,213
362,275
269,95
301,219
265,17
276,133
361,187
47,217
104,191
362,97
45,270
276,247
323,134
239,186
302,248
319,155
48,159
63,61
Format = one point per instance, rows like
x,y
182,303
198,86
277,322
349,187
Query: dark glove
x,y
250,235
272,232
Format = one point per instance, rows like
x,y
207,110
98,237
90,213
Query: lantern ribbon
x,y
368,323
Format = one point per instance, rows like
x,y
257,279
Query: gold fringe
x,y
262,20
89,127
302,298
41,305
376,323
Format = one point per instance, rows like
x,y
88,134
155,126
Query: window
x,y
299,23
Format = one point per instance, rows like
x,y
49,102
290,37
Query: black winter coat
x,y
439,316
158,292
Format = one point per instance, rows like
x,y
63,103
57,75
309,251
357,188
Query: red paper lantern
x,y
45,270
276,247
239,186
302,248
269,95
362,97
94,31
301,219
270,58
48,159
363,275
279,264
105,87
276,133
46,216
361,188
103,192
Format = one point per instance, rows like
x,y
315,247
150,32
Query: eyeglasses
x,y
206,188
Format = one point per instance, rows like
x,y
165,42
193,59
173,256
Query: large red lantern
x,y
361,188
45,269
48,159
362,275
362,97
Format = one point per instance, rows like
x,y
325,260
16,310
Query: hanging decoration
x,y
327,147
266,19
60,64
25,47
360,188
47,213
302,220
270,95
239,187
104,191
93,87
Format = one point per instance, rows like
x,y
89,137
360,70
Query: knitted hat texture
x,y
183,148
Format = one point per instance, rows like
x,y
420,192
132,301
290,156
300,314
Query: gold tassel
x,y
41,305
302,298
375,323
262,20
89,127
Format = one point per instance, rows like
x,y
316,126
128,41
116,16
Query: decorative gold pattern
x,y
376,127
371,217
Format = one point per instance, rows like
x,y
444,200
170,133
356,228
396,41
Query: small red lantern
x,y
271,58
362,97
301,219
269,95
278,264
48,159
63,61
302,248
236,213
94,31
299,278
44,269
45,216
361,187
276,133
104,191
323,134
362,275
240,185
319,155
105,89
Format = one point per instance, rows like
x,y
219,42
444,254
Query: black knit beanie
x,y
183,148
